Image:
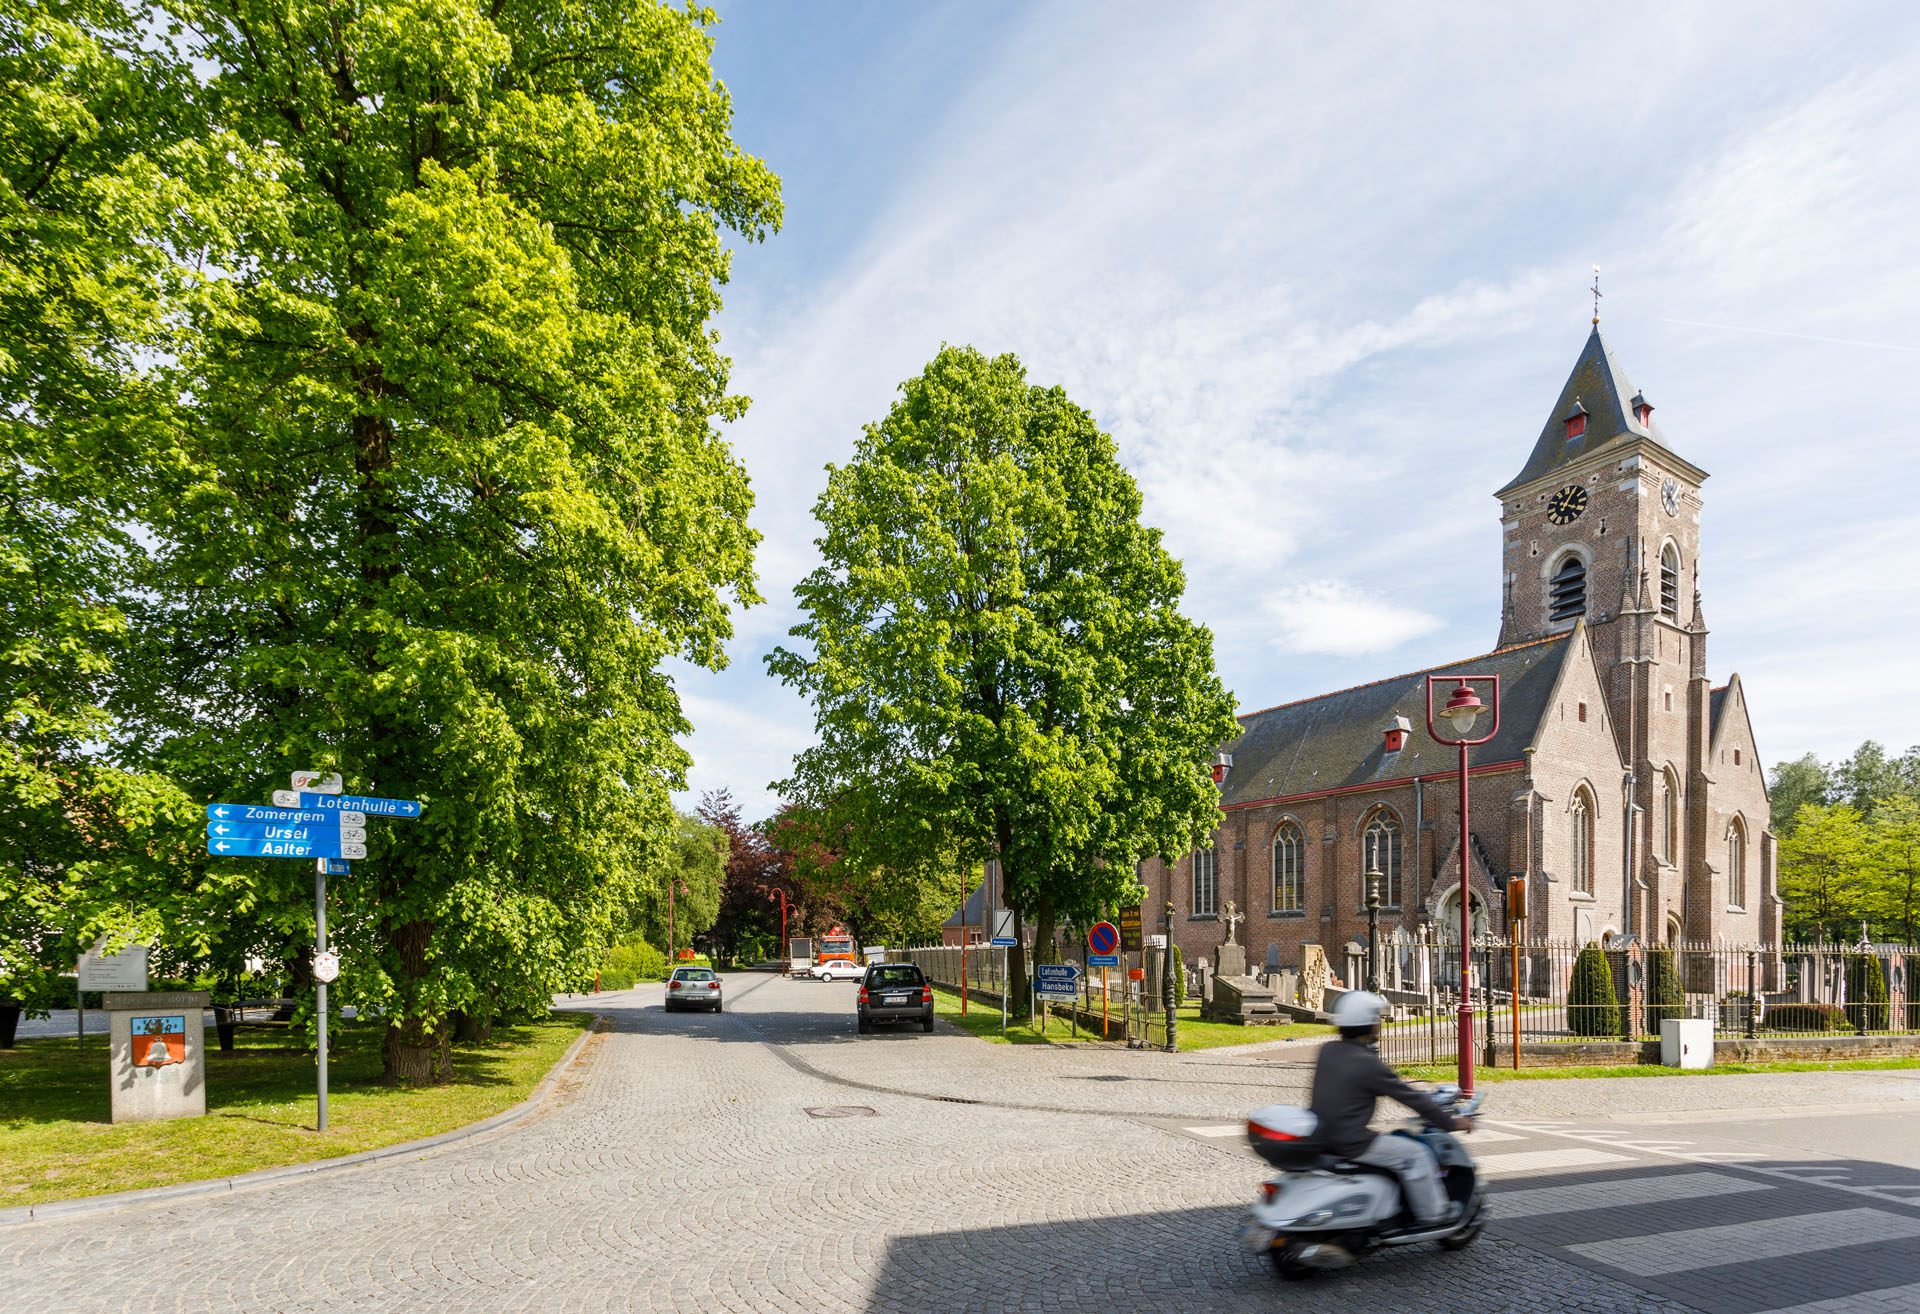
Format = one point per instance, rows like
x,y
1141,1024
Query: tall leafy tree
x,y
995,653
453,489
1824,871
1792,786
108,171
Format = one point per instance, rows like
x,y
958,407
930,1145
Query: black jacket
x,y
1347,1080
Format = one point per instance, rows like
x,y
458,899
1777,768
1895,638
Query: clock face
x,y
1670,495
1565,506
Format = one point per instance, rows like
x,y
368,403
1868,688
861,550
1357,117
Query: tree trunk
x,y
1045,933
472,1028
9,1023
418,1049
1017,969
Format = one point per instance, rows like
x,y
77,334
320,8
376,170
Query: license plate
x,y
894,999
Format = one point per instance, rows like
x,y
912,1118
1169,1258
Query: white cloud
x,y
1322,277
1331,616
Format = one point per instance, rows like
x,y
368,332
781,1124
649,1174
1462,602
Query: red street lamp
x,y
785,957
1462,713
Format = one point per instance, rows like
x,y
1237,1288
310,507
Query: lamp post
x,y
1462,713
786,956
1373,931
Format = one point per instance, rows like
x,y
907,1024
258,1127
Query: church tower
x,y
1602,526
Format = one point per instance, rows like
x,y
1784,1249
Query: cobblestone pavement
x,y
684,1167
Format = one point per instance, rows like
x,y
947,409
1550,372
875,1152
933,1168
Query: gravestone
x,y
1314,976
1206,984
1273,957
1233,960
1243,1000
1355,954
1285,986
157,1052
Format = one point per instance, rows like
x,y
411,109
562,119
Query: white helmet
x,y
1358,1008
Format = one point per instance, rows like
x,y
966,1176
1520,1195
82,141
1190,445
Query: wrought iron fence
x,y
1560,992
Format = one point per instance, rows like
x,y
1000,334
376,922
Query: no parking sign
x,y
1103,944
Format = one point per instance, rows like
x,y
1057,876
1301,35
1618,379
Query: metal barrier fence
x,y
1551,992
1131,1012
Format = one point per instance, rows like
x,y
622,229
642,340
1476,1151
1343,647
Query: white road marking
x,y
1488,1136
1527,1161
1615,1193
1237,1129
1710,1247
1886,1298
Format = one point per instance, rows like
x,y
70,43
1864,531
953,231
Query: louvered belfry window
x,y
1670,584
1567,595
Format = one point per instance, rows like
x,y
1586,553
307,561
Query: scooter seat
x,y
1333,1163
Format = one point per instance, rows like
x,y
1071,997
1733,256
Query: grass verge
x,y
983,1020
1447,1072
56,1140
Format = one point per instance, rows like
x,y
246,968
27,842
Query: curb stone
x,y
93,1204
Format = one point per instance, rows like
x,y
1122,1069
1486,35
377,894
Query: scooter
x,y
1323,1212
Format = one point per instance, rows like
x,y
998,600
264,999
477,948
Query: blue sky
x,y
1321,271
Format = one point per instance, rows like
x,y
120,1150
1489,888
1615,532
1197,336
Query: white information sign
x,y
326,965
126,970
315,782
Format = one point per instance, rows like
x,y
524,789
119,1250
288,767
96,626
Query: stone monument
x,y
157,1054
1233,954
1314,977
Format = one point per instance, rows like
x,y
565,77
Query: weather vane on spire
x,y
1596,294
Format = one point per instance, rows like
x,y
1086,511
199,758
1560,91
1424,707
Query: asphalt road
x,y
768,1158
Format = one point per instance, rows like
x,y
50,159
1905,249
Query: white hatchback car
x,y
837,969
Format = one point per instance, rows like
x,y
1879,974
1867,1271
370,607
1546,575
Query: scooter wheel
x,y
1461,1240
1286,1264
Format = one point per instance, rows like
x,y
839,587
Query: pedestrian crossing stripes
x,y
1619,1193
1887,1300
1703,1247
1529,1161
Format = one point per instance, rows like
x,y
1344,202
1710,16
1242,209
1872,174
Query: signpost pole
x,y
1003,994
1106,1000
79,1015
320,987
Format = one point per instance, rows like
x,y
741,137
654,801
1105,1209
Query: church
x,y
1622,785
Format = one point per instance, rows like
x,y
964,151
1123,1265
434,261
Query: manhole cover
x,y
842,1111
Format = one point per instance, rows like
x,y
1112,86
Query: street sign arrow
x,y
373,807
266,848
282,816
326,833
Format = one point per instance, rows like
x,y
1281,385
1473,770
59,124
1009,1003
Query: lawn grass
x,y
1447,1071
56,1140
983,1020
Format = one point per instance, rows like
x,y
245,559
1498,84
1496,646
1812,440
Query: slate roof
x,y
1716,700
973,912
1338,739
1599,385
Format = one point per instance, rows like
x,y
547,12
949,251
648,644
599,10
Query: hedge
x,y
1666,997
1866,993
1592,1009
1807,1017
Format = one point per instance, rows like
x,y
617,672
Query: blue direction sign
x,y
373,807
330,833
334,866
1056,980
1103,960
283,816
266,848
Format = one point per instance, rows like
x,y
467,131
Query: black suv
x,y
895,992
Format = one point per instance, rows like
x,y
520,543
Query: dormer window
x,y
1397,731
1222,763
1576,421
1642,410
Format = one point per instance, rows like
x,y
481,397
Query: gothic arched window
x,y
1380,851
1669,818
1736,865
1289,870
1670,583
1580,838
1567,594
1206,883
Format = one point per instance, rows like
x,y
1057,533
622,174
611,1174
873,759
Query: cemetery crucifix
x,y
1233,917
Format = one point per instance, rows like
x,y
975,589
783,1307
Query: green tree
x,y
1666,994
694,866
1823,864
998,664
1792,786
1592,1008
107,171
451,490
1894,837
1866,993
1870,777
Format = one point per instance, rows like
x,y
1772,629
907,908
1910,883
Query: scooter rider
x,y
1347,1080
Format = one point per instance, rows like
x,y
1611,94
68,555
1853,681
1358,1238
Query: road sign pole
x,y
320,990
1003,994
